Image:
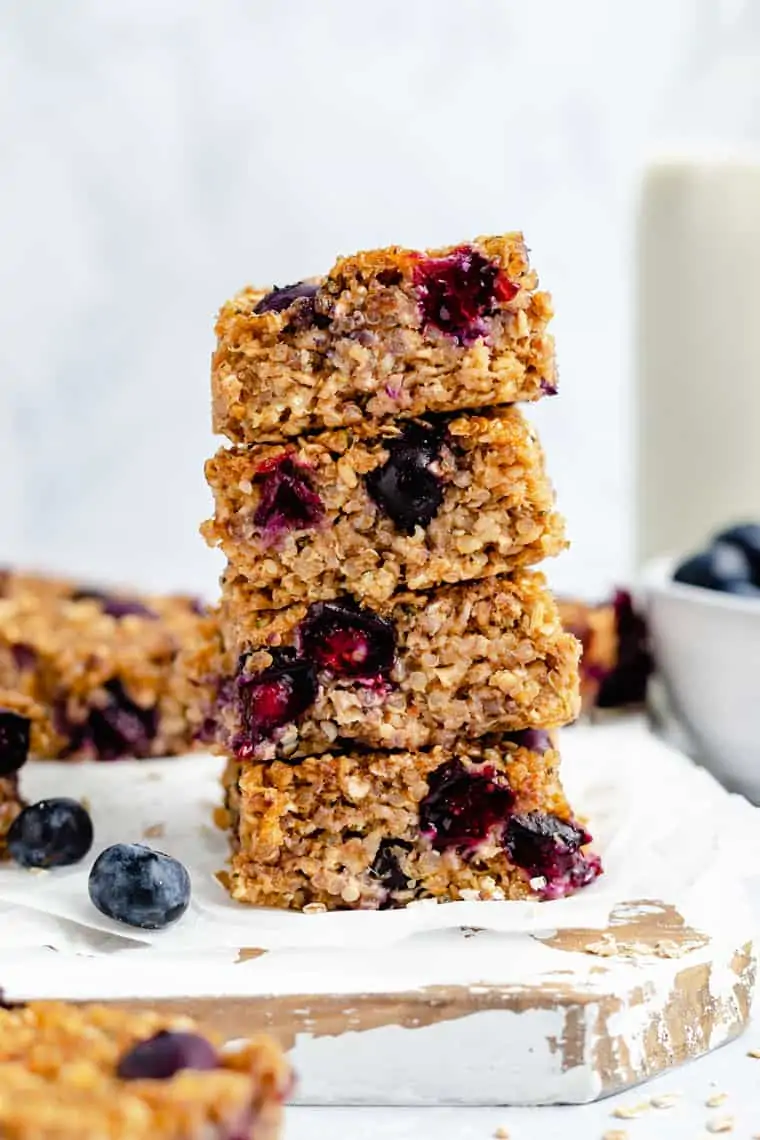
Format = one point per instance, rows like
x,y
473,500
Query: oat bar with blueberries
x,y
387,334
423,669
616,659
73,1072
373,830
427,502
102,666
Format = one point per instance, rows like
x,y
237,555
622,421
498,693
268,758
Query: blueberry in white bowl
x,y
730,564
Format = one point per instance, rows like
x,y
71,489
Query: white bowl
x,y
707,649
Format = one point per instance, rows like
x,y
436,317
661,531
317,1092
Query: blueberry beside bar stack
x,y
387,669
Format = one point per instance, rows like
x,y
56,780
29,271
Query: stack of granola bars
x,y
388,671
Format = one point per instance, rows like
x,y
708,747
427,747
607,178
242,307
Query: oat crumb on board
x,y
716,1100
666,1100
501,1134
616,1134
631,1111
154,831
720,1124
755,1053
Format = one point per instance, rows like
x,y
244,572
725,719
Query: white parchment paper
x,y
664,828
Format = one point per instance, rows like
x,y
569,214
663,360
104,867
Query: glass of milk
x,y
698,350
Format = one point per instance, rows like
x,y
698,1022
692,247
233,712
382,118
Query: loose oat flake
x,y
631,1111
721,1124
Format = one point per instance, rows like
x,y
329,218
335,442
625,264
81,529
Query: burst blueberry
x,y
138,886
14,741
288,499
114,727
272,698
166,1053
280,299
52,833
458,291
549,848
115,606
464,806
347,640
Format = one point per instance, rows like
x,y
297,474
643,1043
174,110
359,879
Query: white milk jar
x,y
698,350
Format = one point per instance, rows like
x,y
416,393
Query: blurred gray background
x,y
157,156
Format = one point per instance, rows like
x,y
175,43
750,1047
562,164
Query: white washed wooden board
x,y
563,1007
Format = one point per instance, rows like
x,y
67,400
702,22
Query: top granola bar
x,y
388,334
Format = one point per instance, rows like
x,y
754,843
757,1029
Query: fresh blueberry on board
x,y
51,833
140,887
14,741
166,1053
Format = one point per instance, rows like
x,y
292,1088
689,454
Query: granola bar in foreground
x,y
71,1072
386,334
426,503
373,830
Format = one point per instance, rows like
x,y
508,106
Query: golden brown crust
x,y
369,358
497,514
58,1081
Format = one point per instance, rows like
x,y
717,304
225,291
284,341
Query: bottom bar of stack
x,y
373,830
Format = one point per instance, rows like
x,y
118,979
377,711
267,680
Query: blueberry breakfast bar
x,y
446,500
420,670
616,660
71,1072
372,830
102,667
386,334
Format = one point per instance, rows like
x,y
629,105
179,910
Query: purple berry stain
x,y
288,500
348,641
464,806
14,741
168,1052
405,487
458,291
115,606
550,848
115,728
273,698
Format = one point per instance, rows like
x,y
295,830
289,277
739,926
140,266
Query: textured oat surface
x,y
310,833
10,805
58,1081
489,656
105,682
496,514
359,353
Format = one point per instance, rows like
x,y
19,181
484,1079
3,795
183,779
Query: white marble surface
x,y
155,157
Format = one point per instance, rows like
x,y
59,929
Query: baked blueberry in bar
x,y
371,830
20,721
419,670
616,661
70,1072
101,666
427,502
385,334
